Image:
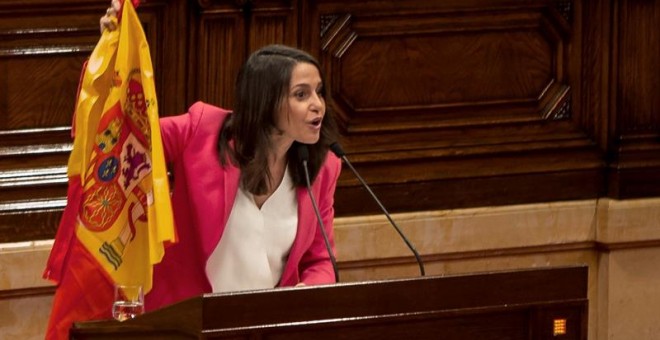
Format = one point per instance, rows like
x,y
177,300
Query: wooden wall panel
x,y
166,24
442,104
229,30
273,22
224,53
635,138
439,71
42,48
43,45
450,97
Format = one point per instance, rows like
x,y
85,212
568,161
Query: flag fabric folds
x,y
118,217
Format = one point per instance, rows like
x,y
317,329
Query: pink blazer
x,y
202,197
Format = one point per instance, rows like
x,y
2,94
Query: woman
x,y
241,207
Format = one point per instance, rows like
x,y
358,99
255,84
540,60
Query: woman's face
x,y
303,108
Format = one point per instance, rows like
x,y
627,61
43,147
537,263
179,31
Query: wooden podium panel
x,y
526,304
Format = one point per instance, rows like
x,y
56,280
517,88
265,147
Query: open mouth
x,y
316,122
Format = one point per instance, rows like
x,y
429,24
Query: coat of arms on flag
x,y
118,215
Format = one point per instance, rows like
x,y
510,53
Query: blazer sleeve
x,y
315,265
176,131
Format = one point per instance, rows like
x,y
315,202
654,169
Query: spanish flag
x,y
118,217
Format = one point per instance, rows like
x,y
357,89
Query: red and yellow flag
x,y
118,215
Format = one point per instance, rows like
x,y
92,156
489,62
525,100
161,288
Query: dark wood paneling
x,y
26,292
592,105
434,67
470,192
437,105
217,46
442,104
227,31
42,48
29,220
166,24
635,84
273,22
43,45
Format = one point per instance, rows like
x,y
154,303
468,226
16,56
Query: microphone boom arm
x,y
382,207
320,220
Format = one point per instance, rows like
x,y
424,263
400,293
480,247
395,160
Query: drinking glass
x,y
129,302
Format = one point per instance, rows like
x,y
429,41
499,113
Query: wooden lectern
x,y
549,303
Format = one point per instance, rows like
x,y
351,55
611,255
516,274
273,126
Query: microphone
x,y
337,150
303,155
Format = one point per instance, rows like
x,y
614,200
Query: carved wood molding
x,y
562,109
468,255
242,4
236,3
327,21
26,292
405,41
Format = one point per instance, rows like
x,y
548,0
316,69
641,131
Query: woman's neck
x,y
277,163
279,150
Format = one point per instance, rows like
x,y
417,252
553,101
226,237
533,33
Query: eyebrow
x,y
306,85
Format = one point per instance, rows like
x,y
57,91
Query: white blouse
x,y
255,245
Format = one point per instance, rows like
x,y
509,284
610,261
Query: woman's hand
x,y
109,20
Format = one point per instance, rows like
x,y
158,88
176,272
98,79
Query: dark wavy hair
x,y
262,87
